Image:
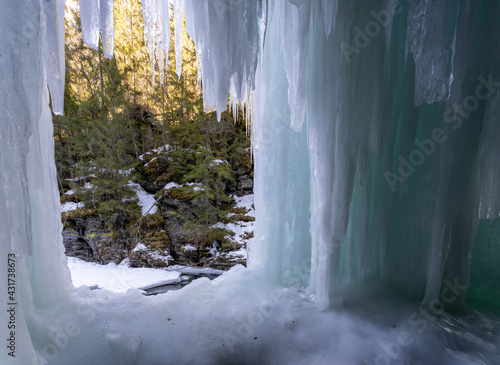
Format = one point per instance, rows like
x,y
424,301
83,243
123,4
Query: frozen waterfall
x,y
377,165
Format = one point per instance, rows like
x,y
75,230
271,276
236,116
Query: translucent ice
x,y
376,156
97,19
178,6
430,39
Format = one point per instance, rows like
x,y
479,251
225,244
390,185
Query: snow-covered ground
x,y
122,277
244,315
118,278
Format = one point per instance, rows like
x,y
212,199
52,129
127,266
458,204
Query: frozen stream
x,y
121,278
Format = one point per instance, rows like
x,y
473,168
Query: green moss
x,y
151,168
218,234
238,210
163,179
173,213
242,218
78,213
203,236
186,192
157,240
150,221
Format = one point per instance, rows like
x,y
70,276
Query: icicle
x,y
156,35
106,26
297,47
189,15
329,10
223,59
90,19
52,51
164,21
487,173
96,17
32,55
178,4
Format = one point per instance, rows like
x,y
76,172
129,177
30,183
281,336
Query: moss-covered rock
x,y
186,192
151,221
77,213
242,218
158,240
154,171
149,258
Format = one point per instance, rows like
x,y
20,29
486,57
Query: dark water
x,y
164,288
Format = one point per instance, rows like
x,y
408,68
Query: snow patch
x,y
246,201
196,186
139,247
118,278
189,248
147,163
214,250
218,162
240,229
147,202
155,150
69,206
171,185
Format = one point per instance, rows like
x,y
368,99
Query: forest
x,y
130,129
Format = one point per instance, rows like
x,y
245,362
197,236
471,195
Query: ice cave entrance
x,y
376,148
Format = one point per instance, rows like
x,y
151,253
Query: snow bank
x,y
69,206
247,202
242,316
118,278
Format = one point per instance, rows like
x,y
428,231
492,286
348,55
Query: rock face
x,y
245,184
187,229
145,258
92,239
243,181
167,237
76,246
191,244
